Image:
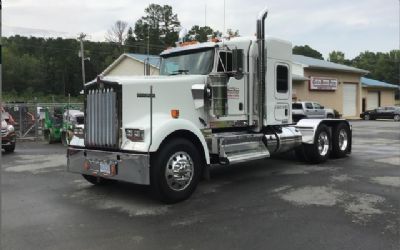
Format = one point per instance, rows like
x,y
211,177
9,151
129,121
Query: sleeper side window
x,y
282,79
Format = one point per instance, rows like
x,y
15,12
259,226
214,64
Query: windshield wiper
x,y
179,72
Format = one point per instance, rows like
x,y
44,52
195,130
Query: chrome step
x,y
239,147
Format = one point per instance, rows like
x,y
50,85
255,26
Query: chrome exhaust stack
x,y
261,66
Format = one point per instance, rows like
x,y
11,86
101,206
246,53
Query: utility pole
x,y
81,37
224,19
205,15
148,50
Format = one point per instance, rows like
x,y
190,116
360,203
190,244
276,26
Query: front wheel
x,y
397,118
367,117
48,136
318,151
175,170
9,148
64,138
341,140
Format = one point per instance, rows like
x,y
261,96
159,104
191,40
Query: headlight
x,y
10,128
78,132
134,134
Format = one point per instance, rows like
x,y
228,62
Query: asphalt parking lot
x,y
350,203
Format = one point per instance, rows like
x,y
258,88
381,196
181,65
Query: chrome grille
x,y
101,128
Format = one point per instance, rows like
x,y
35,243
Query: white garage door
x,y
372,100
349,99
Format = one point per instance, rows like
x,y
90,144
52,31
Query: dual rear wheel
x,y
336,143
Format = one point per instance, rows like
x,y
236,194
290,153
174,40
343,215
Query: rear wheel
x,y
64,139
175,170
367,117
340,140
318,151
397,118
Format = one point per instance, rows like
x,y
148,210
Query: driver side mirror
x,y
237,63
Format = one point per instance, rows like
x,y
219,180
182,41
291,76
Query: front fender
x,y
163,126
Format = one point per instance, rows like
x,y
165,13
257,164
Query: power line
x,y
64,49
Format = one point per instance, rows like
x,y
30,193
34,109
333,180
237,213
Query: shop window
x,y
282,79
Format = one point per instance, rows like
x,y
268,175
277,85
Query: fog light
x,y
134,134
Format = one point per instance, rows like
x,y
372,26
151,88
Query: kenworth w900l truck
x,y
214,103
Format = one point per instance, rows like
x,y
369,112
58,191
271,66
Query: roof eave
x,y
362,72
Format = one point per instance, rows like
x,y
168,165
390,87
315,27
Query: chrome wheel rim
x,y
397,118
343,140
179,171
323,143
366,117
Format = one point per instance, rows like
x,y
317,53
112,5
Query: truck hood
x,y
155,80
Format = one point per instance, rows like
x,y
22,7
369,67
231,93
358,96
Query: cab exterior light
x,y
135,135
175,113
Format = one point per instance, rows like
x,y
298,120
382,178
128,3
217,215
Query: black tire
x,y
341,140
367,117
396,118
313,152
95,180
300,154
64,138
9,148
164,185
47,136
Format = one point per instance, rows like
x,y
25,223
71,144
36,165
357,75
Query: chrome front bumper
x,y
134,168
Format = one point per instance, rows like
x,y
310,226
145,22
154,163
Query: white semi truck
x,y
214,103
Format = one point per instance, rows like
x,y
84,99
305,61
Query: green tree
x,y
159,26
201,33
130,41
337,57
232,33
307,51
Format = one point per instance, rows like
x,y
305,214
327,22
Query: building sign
x,y
323,83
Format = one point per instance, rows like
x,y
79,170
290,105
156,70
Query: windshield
x,y
198,63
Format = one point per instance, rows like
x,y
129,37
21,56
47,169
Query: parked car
x,y
313,110
8,136
390,112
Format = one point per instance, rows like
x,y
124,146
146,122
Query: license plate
x,y
105,168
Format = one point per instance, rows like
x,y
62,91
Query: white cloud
x,y
349,26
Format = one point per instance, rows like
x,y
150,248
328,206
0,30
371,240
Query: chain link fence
x,y
29,119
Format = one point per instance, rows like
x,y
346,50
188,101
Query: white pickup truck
x,y
311,110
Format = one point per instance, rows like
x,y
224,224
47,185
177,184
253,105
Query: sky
x,y
325,25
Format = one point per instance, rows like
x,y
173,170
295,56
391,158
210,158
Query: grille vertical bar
x,y
102,118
